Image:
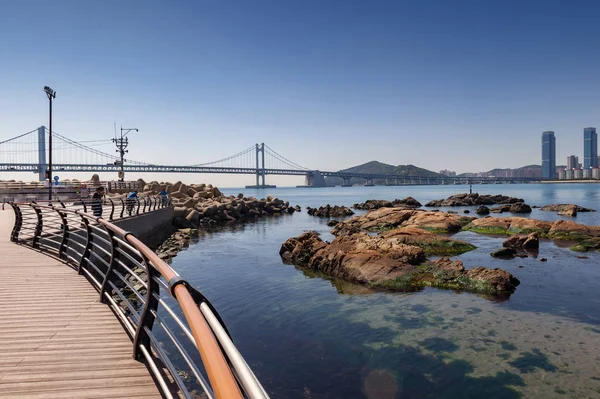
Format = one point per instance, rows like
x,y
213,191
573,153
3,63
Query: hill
x,y
376,167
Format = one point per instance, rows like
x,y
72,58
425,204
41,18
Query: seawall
x,y
151,228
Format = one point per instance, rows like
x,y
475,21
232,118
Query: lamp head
x,y
51,93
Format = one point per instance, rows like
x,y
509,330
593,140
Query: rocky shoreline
x,y
398,256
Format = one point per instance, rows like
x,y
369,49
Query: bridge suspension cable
x,y
242,159
282,159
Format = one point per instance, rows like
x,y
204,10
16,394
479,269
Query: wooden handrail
x,y
217,367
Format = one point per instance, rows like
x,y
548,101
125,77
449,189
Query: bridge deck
x,y
56,339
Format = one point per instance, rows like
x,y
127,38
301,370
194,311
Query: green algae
x,y
486,229
445,247
429,275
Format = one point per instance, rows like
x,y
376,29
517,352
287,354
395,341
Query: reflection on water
x,y
309,336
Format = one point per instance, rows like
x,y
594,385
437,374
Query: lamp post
x,y
51,96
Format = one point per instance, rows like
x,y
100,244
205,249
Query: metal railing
x,y
20,185
108,208
185,354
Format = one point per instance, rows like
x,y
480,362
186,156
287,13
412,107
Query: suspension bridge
x,y
28,152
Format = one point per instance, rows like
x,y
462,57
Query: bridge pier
x,y
314,178
346,182
369,182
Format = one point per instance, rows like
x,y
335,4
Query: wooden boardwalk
x,y
56,339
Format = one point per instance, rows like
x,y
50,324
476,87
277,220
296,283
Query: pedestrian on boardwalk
x,y
131,200
163,195
97,201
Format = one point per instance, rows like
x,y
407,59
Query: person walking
x,y
163,195
97,201
131,200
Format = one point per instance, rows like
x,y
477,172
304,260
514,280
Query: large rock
x,y
570,210
474,199
504,253
330,211
562,207
373,204
525,242
176,186
560,230
520,207
483,210
388,218
408,202
508,225
388,262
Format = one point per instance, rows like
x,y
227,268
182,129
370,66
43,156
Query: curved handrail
x,y
227,371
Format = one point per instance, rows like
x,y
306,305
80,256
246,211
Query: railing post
x,y
137,210
144,208
147,316
14,235
122,207
88,244
112,209
111,263
38,227
84,205
65,238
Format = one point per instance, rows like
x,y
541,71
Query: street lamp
x,y
51,96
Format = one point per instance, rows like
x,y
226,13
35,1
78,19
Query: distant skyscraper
x,y
548,155
572,162
590,148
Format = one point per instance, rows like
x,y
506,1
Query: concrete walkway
x,y
56,339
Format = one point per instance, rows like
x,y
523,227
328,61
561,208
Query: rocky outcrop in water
x,y
388,218
329,211
408,202
559,230
529,242
386,261
519,207
474,199
483,210
566,208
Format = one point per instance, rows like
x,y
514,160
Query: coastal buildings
x,y
590,148
572,162
448,173
574,170
548,155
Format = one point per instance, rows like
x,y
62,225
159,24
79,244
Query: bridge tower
x,y
260,168
42,165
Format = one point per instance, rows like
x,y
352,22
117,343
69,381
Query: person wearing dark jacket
x,y
97,201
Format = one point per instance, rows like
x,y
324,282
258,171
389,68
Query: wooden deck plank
x,y
57,340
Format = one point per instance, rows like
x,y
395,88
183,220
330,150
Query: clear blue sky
x,y
463,85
